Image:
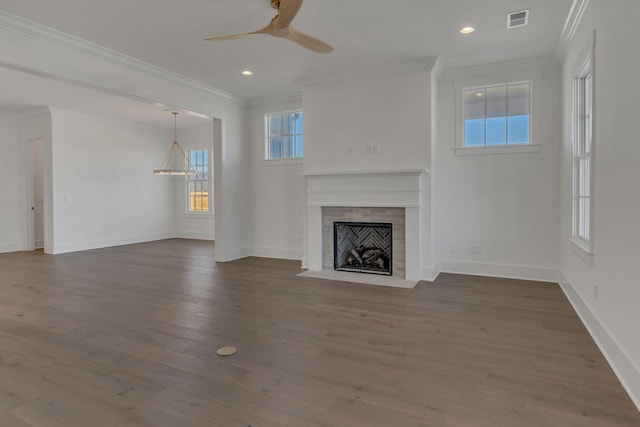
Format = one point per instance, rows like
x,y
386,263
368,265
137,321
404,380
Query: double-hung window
x,y
497,115
284,135
583,156
197,186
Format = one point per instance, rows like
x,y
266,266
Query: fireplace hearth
x,y
363,247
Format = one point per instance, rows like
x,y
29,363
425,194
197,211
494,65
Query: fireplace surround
x,y
345,194
363,247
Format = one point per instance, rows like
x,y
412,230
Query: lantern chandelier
x,y
165,167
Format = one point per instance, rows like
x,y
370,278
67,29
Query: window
x,y
497,115
583,155
197,190
284,135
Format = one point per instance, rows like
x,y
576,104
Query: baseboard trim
x,y
430,273
628,374
195,235
280,253
237,253
9,247
61,248
541,274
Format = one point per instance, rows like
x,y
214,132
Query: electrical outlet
x,y
475,250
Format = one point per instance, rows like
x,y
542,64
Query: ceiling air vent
x,y
518,19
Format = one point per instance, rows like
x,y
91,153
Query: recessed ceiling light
x,y
247,73
479,94
467,30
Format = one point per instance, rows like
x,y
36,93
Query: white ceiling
x,y
364,33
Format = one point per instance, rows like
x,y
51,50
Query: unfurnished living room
x,y
319,213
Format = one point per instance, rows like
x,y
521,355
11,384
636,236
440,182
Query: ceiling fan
x,y
280,27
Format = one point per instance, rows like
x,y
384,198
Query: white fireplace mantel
x,y
389,188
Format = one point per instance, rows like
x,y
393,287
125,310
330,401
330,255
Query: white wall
x,y
605,291
198,225
41,51
386,111
508,204
10,175
35,124
277,188
104,191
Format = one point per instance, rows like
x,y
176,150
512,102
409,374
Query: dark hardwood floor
x,y
127,336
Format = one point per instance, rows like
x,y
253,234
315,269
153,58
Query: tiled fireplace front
x,y
395,197
395,216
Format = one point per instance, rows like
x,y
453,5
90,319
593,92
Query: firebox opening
x,y
363,247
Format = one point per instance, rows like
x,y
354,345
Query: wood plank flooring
x,y
127,336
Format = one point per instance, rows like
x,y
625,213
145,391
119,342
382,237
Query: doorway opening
x,y
35,178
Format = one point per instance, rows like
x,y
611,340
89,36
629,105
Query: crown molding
x,y
279,99
571,25
32,112
8,115
50,36
496,67
56,111
420,65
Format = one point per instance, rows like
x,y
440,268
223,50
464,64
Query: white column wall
x,y
195,225
507,205
10,177
277,188
604,288
104,191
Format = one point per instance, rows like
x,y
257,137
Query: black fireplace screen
x,y
362,247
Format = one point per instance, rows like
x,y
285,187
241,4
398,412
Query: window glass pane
x,y
497,130
299,146
587,112
584,184
474,104
584,217
282,139
287,147
496,102
299,124
286,124
275,151
474,132
519,99
275,125
196,185
518,130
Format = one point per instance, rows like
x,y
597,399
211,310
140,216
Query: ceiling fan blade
x,y
308,42
287,10
235,36
266,30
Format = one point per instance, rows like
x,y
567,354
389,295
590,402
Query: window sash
x,y
583,155
284,135
197,186
497,115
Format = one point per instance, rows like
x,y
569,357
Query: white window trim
x,y
533,77
282,162
583,248
186,212
266,161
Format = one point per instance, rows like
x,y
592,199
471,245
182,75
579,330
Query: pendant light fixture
x,y
165,167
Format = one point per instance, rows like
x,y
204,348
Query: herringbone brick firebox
x,y
395,216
